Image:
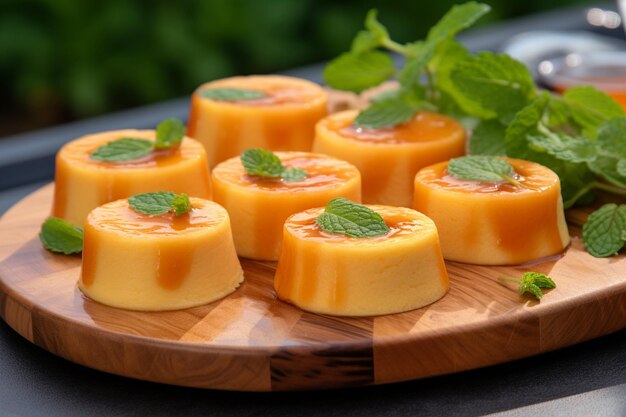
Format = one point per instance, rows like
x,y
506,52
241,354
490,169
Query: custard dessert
x,y
389,158
258,206
329,273
83,183
274,112
137,261
495,222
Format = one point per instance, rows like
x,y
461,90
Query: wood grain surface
x,y
251,341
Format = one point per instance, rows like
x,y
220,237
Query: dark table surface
x,y
584,380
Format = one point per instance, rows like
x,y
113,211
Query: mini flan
x,y
282,119
83,183
259,206
141,262
495,223
389,158
335,274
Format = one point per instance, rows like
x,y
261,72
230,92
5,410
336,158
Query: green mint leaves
x,y
158,203
482,168
364,66
604,233
58,235
232,94
345,217
532,283
263,163
125,149
169,135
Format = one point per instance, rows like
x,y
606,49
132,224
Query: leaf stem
x,y
395,47
430,85
610,188
511,180
517,281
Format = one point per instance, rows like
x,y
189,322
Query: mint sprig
x,y
364,66
169,135
161,202
482,168
263,163
344,217
58,235
532,283
232,94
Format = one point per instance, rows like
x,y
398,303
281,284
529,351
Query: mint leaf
x,y
524,124
488,139
385,113
153,204
232,94
180,204
345,217
294,174
492,85
263,163
358,72
58,235
590,107
482,168
371,38
612,149
125,149
568,148
459,17
169,134
257,161
603,233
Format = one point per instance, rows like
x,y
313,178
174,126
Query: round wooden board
x,y
253,342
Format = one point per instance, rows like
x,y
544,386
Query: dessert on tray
x,y
513,217
389,157
354,260
139,257
103,167
274,112
261,189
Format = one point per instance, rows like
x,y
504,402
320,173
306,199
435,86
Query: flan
x,y
335,274
140,262
495,223
389,158
283,119
83,183
259,206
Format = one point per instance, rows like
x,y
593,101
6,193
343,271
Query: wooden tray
x,y
253,342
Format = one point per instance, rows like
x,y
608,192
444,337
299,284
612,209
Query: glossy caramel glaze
x,y
322,172
424,127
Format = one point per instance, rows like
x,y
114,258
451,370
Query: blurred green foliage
x,y
65,59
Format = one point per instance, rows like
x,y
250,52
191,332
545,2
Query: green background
x,y
66,59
